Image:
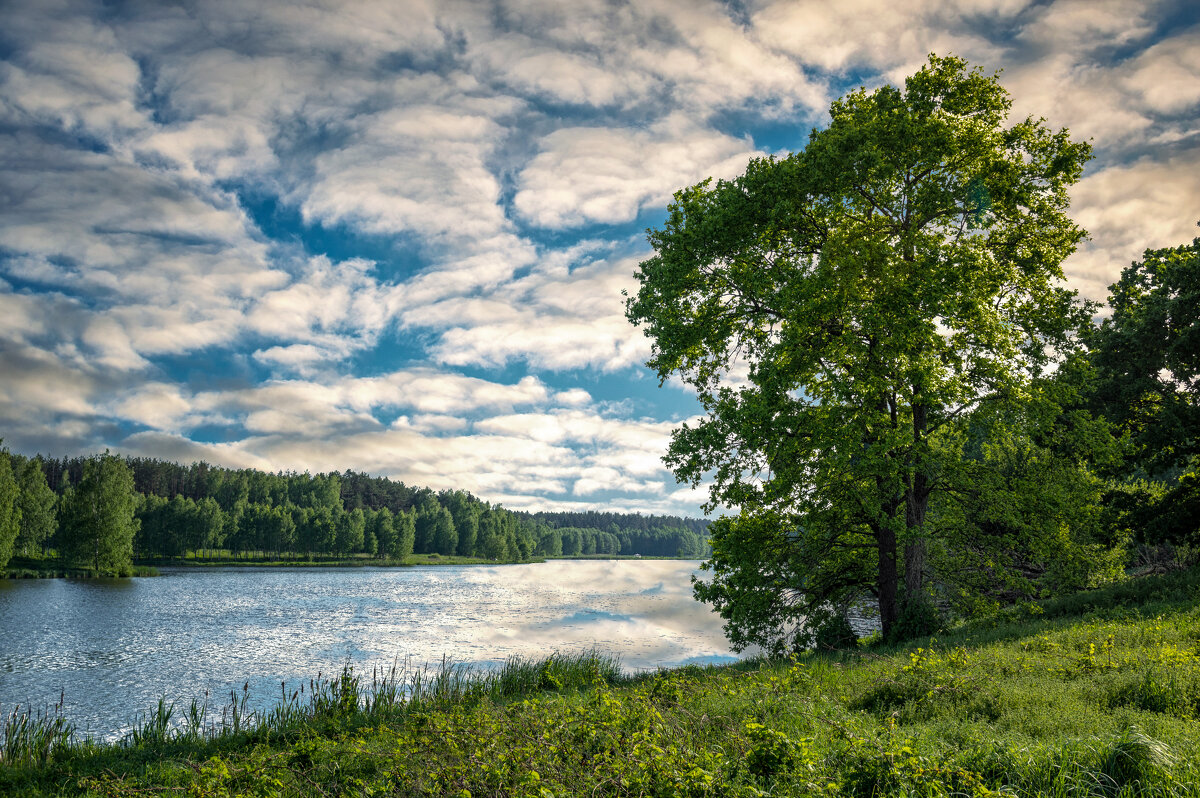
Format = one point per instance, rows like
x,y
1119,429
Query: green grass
x,y
1092,695
29,568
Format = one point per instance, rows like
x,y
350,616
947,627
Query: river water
x,y
112,648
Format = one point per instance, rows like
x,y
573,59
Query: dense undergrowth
x,y
1093,695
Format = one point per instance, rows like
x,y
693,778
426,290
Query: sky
x,y
392,237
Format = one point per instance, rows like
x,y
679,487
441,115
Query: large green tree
x,y
836,309
96,517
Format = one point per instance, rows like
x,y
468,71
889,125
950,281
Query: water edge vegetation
x,y
1091,694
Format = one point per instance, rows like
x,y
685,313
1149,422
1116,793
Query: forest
x,y
104,512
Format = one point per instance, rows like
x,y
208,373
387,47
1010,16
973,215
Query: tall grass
x,y
346,699
33,738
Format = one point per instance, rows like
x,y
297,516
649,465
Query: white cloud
x,y
691,55
493,439
1127,209
414,168
552,318
574,397
1079,27
161,406
69,71
540,69
1166,77
883,36
608,175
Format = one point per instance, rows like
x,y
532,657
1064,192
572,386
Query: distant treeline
x,y
201,510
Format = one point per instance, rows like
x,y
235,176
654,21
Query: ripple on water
x,y
116,649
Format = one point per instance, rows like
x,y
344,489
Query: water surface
x,y
114,647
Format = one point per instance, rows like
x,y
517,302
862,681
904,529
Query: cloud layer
x,y
393,237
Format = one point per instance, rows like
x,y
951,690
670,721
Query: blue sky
x,y
392,237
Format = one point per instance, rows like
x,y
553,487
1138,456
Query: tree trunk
x,y
888,577
916,503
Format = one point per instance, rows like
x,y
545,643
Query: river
x,y
112,648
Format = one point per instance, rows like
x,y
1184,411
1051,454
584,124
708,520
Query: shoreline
x,y
1045,699
149,568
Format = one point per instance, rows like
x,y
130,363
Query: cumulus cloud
x,y
346,234
521,458
1128,209
411,169
608,175
449,431
71,71
549,319
692,55
883,37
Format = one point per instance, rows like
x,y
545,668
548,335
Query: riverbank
x,y
46,569
28,568
1094,694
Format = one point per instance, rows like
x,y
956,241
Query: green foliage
x,y
350,532
771,753
918,618
207,513
1145,355
405,527
96,518
1022,512
836,634
36,502
899,273
10,509
1145,380
381,525
443,536
464,514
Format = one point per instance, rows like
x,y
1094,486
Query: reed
x,y
33,738
36,737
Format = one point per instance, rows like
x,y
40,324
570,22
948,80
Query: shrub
x,y
836,634
918,618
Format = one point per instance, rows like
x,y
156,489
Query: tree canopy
x,y
10,509
838,311
96,520
1146,381
1147,357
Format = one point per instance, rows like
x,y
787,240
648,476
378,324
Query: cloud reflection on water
x,y
116,652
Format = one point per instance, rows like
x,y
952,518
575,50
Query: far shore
x,y
25,568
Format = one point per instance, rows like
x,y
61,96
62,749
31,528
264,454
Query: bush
x,y
835,634
918,618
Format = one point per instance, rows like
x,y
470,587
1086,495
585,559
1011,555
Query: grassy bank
x,y
30,568
1094,695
